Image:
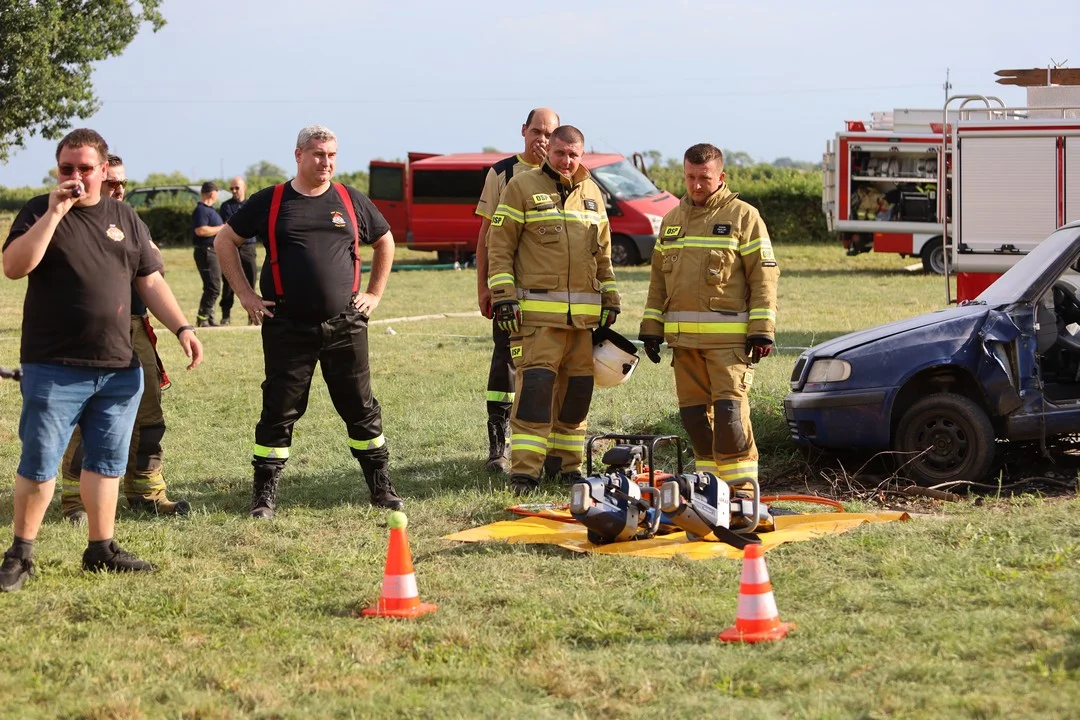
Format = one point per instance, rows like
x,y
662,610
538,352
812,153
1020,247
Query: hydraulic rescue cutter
x,y
631,500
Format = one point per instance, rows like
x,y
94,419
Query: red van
x,y
431,201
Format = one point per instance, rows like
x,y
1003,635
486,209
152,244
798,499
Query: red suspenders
x,y
275,207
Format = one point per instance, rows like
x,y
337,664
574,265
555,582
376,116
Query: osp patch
x,y
515,352
497,220
672,231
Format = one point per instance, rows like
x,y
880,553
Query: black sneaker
x,y
383,493
15,570
225,321
264,492
523,484
206,322
114,559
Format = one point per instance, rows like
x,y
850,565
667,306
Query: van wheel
x,y
933,257
624,251
954,437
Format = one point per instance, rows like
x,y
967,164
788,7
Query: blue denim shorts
x,y
56,398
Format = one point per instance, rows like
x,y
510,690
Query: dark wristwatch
x,y
182,328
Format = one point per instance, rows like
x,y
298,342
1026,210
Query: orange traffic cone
x,y
757,619
399,596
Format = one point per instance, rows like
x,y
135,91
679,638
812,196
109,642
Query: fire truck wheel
x,y
623,251
945,437
933,257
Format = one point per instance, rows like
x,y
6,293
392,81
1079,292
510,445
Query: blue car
x,y
941,388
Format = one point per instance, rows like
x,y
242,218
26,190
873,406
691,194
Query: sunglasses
x,y
116,183
82,169
234,188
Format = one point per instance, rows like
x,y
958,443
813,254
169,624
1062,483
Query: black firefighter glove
x,y
508,316
608,316
652,346
757,347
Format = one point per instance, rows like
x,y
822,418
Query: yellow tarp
x,y
789,528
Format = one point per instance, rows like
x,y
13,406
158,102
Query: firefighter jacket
x,y
714,275
549,247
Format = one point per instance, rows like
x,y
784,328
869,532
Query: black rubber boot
x,y
523,484
498,428
264,491
377,475
552,467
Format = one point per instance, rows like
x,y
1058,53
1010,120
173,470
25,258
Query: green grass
x,y
969,613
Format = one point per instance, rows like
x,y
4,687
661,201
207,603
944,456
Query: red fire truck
x,y
881,185
430,202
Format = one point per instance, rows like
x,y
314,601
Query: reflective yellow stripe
x,y
762,314
375,442
712,242
582,309
528,443
272,453
700,328
512,213
495,396
500,279
560,296
651,314
558,441
586,217
608,286
532,216
705,465
738,471
753,246
482,214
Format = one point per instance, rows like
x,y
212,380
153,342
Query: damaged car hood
x,y
958,318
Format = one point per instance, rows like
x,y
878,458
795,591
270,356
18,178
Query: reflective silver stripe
x,y
558,296
706,317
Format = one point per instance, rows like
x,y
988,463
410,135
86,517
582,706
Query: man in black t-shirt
x,y
80,252
238,188
205,224
311,310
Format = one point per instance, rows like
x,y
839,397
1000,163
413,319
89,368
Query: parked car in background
x,y
942,388
155,194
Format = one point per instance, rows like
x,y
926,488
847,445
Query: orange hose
x,y
804,498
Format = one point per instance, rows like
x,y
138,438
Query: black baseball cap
x,y
208,187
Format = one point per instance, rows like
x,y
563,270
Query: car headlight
x,y
656,221
828,370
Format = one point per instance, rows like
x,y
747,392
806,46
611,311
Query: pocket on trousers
x,y
517,345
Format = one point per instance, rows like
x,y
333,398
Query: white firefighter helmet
x,y
614,358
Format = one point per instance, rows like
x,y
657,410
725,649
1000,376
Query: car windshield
x,y
1010,286
624,181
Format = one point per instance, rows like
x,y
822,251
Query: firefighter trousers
x,y
145,476
713,387
500,384
290,351
554,386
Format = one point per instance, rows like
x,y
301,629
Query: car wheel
x,y
954,437
623,251
933,257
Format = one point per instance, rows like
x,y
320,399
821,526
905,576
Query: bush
x,y
169,221
789,199
13,199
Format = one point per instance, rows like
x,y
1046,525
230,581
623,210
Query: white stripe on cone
x,y
755,572
757,607
400,587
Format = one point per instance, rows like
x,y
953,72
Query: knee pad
x,y
730,435
695,420
534,405
575,407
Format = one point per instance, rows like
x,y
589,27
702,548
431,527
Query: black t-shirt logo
x,y
337,219
721,229
114,233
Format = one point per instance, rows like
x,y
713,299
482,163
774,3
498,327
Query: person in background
x,y
205,224
248,263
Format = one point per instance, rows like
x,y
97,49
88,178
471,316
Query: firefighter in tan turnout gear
x,y
712,297
549,270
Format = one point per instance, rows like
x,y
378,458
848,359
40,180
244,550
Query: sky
x,y
228,84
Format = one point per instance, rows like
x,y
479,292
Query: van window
x,y
448,187
387,183
624,181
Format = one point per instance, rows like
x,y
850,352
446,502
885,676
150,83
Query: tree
x,y
46,51
159,178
